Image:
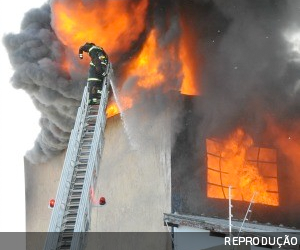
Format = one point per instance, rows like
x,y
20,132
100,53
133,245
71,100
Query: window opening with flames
x,y
248,169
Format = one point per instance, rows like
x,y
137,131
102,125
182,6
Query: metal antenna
x,y
229,210
248,211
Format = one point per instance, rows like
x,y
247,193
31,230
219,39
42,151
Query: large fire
x,y
249,170
146,65
115,25
112,24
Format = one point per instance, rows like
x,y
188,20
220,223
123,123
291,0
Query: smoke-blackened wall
x,y
250,68
250,78
190,180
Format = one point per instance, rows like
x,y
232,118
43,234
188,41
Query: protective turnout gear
x,y
97,71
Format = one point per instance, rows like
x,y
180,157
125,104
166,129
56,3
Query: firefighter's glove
x,y
85,48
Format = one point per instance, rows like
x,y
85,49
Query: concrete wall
x,y
41,183
135,181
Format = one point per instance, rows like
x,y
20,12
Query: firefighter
x,y
97,71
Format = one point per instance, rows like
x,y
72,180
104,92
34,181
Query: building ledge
x,y
222,225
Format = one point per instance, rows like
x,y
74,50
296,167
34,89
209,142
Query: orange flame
x,y
248,169
113,109
146,65
188,60
111,24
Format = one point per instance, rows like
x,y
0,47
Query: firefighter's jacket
x,y
98,64
99,61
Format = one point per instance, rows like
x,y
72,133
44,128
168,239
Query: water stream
x,y
132,143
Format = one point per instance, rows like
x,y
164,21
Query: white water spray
x,y
132,143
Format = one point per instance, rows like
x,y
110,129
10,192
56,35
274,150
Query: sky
x,y
19,125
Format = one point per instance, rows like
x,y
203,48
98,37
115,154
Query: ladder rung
x,y
85,148
73,210
92,116
84,152
72,206
82,160
88,133
75,196
68,231
70,215
76,191
81,168
77,184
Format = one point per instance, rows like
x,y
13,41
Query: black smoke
x,y
250,70
35,54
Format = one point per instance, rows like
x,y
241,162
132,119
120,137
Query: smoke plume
x,y
238,52
35,54
249,68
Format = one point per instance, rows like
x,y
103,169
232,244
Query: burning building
x,y
220,80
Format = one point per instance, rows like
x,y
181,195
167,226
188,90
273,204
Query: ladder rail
x,y
84,205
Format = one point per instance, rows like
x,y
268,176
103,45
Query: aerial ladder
x,y
71,215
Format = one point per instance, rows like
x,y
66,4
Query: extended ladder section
x,y
71,214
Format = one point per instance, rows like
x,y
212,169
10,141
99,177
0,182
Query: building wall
x,y
41,182
134,180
